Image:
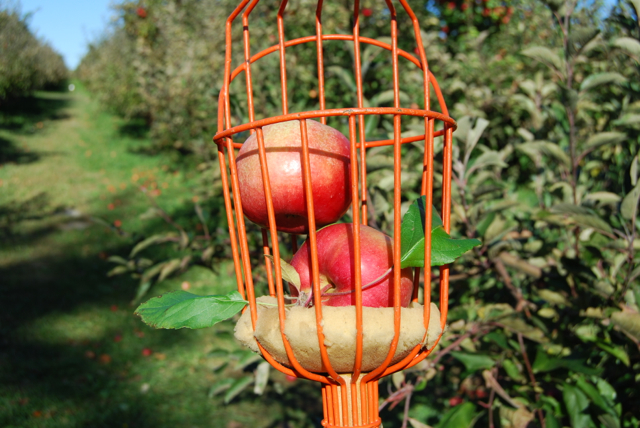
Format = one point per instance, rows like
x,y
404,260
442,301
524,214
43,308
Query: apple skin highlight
x,y
329,155
335,261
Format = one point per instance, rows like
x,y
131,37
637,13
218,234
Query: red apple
x,y
330,174
335,261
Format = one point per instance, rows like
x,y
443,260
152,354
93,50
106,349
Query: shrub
x,y
26,63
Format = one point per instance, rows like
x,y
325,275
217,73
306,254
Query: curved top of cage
x,y
243,12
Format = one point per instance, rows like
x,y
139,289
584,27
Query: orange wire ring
x,y
362,388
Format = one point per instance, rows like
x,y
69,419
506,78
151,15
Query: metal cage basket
x,y
350,399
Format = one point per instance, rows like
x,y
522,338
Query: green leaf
x,y
536,149
602,197
488,158
553,297
117,259
545,363
629,205
633,172
616,351
592,221
519,325
551,420
545,56
602,138
636,6
170,267
629,45
518,418
220,386
143,287
151,272
473,362
237,387
155,239
180,309
444,249
118,270
606,390
594,395
417,424
484,224
474,134
461,416
609,420
631,120
512,371
629,322
576,402
246,358
598,79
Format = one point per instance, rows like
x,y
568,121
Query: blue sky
x,y
68,25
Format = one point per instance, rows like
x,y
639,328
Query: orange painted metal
x,y
349,400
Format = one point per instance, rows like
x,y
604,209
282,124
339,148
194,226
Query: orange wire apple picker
x,y
349,399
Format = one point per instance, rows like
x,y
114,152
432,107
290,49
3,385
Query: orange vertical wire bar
x,y
230,221
283,61
313,247
267,263
360,99
330,404
244,248
325,410
357,266
355,415
427,190
397,179
234,177
427,178
320,56
373,399
247,56
446,220
364,402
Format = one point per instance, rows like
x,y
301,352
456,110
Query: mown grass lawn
x,y
72,354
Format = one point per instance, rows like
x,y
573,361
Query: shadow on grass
x,y
25,115
134,128
10,152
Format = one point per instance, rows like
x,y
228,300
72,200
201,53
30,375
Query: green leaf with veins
x,y
444,249
179,309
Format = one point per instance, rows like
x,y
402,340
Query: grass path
x,y
71,352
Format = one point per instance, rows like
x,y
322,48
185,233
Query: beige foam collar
x,y
339,328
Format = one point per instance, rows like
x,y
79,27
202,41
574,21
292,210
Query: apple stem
x,y
369,285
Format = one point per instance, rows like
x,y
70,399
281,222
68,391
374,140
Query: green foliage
x,y
180,309
444,250
26,63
